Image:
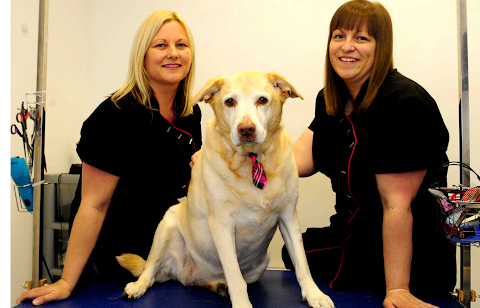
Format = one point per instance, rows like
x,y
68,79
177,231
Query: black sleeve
x,y
312,125
319,109
103,138
197,127
404,140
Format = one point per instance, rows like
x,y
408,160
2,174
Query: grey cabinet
x,y
58,193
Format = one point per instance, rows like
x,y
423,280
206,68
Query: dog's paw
x,y
318,299
135,290
242,305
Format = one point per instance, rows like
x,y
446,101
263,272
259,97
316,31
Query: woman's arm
x,y
97,191
302,151
397,191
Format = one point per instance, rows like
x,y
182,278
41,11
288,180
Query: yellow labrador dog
x,y
244,184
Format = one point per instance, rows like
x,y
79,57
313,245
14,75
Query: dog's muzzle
x,y
247,132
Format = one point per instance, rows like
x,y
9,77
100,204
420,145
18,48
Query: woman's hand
x,y
97,191
401,298
55,292
194,158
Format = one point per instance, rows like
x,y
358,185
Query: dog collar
x,y
259,176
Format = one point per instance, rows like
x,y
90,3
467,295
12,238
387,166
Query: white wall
x,y
23,79
68,98
89,44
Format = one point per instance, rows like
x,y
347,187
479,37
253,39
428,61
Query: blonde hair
x,y
136,81
353,15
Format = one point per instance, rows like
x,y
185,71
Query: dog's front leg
x,y
223,234
290,230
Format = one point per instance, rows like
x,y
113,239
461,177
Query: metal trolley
x,y
458,219
458,214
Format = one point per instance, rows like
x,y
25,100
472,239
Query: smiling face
x,y
168,59
352,55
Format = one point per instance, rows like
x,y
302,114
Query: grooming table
x,y
275,289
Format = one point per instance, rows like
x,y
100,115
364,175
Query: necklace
x,y
168,115
171,110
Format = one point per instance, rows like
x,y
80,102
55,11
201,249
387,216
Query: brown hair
x,y
353,15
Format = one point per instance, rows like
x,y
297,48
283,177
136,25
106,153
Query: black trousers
x,y
358,263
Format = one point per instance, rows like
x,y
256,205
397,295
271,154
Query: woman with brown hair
x,y
380,138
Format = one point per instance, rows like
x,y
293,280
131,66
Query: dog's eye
x,y
262,100
229,102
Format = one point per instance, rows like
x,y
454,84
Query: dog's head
x,y
248,104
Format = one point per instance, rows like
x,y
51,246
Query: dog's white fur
x,y
223,229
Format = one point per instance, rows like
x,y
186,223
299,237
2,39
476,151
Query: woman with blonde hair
x,y
380,138
135,150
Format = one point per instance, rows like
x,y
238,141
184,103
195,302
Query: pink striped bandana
x,y
471,195
259,177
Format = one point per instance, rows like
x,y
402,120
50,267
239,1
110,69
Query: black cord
x,y
452,163
48,270
457,163
60,216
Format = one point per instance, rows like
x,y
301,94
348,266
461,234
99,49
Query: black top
x,y
402,130
151,156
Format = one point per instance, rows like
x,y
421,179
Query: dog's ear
x,y
283,85
208,91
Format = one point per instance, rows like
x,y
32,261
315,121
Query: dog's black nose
x,y
246,128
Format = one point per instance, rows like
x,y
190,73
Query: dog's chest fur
x,y
229,169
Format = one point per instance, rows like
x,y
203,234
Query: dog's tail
x,y
134,263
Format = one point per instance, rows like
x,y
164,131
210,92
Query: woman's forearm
x,y
302,151
97,191
397,247
397,191
85,230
